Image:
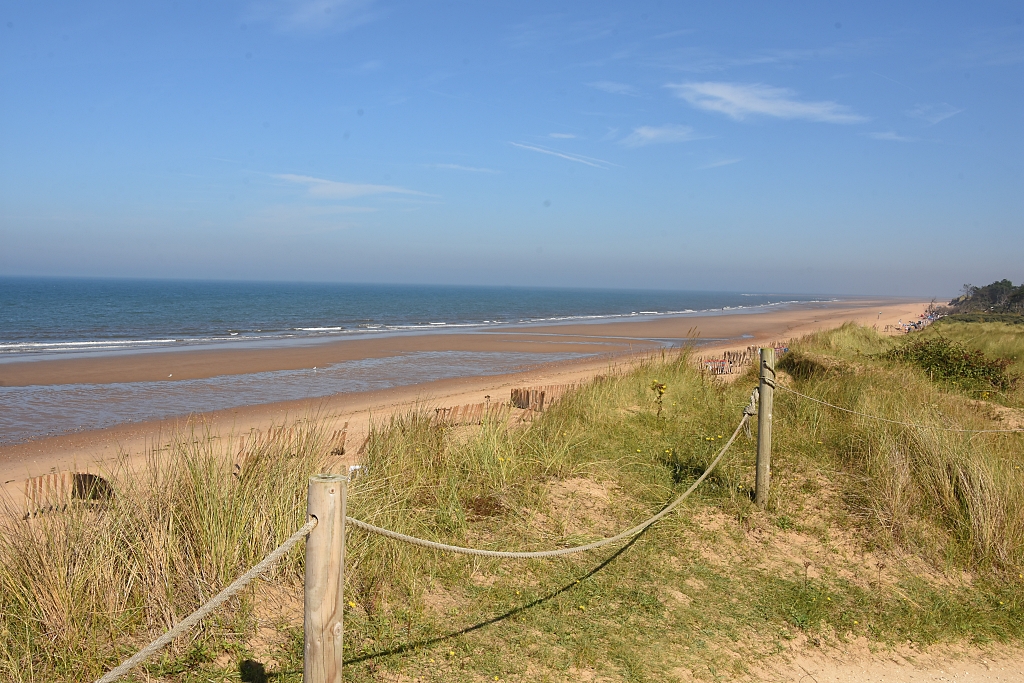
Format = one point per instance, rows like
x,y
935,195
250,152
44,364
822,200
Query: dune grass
x,y
1003,340
75,583
951,494
882,531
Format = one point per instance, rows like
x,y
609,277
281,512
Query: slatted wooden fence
x,y
537,398
472,414
730,361
56,491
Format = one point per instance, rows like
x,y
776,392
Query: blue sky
x,y
859,148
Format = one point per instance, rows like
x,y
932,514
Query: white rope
x,y
271,559
898,422
519,555
204,611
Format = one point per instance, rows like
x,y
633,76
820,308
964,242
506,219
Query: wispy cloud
x,y
693,59
652,135
890,136
740,100
562,136
314,15
579,159
332,189
933,113
459,167
697,60
710,64
719,164
893,80
613,88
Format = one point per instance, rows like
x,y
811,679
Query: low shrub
x,y
954,362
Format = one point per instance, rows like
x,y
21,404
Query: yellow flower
x,y
351,604
584,608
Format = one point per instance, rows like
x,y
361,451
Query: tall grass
x,y
180,527
956,495
82,589
483,485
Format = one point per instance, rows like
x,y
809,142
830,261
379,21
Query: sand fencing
x,y
732,361
523,405
57,491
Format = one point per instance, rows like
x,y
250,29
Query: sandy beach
x,y
612,345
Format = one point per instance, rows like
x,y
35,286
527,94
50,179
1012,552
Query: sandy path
x,y
857,663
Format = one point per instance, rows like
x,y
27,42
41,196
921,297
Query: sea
x,y
45,318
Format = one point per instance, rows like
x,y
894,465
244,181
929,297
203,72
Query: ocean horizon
x,y
45,317
54,318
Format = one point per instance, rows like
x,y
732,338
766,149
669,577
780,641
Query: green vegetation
x,y
998,297
1008,318
952,361
872,529
82,588
999,340
952,497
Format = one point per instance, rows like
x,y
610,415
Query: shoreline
x,y
93,450
205,361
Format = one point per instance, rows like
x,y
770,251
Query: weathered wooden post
x,y
325,579
764,427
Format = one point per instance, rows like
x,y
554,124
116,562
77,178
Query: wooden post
x,y
764,427
325,580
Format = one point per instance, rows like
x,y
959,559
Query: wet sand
x,y
206,362
619,344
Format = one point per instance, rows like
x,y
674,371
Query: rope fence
x,y
191,620
325,538
335,628
522,555
896,422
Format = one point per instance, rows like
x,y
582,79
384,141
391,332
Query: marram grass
x,y
716,589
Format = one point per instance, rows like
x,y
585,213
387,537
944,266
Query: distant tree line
x,y
998,297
